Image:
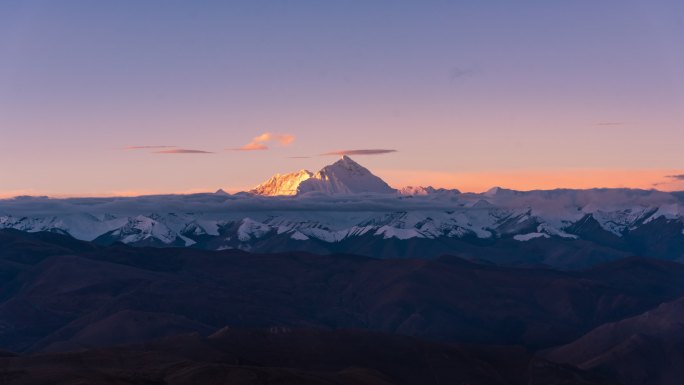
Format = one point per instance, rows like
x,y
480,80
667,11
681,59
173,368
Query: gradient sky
x,y
523,94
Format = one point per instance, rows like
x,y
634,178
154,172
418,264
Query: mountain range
x,y
344,208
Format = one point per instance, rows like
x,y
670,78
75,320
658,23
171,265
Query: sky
x,y
127,97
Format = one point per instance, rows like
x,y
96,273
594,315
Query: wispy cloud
x,y
610,123
146,147
460,72
259,143
182,151
251,146
370,151
283,139
676,177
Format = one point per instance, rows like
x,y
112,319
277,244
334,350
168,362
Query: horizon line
x,y
247,191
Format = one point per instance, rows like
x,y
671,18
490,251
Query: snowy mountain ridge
x,y
237,221
345,208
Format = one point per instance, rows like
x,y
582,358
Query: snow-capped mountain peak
x,y
347,165
342,177
345,177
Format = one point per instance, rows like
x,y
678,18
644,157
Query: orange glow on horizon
x,y
523,180
111,194
526,180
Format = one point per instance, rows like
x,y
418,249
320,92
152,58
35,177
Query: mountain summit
x,y
342,177
345,177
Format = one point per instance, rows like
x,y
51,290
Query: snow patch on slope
x,y
530,236
251,229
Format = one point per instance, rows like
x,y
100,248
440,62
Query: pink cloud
x,y
285,139
252,146
259,143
